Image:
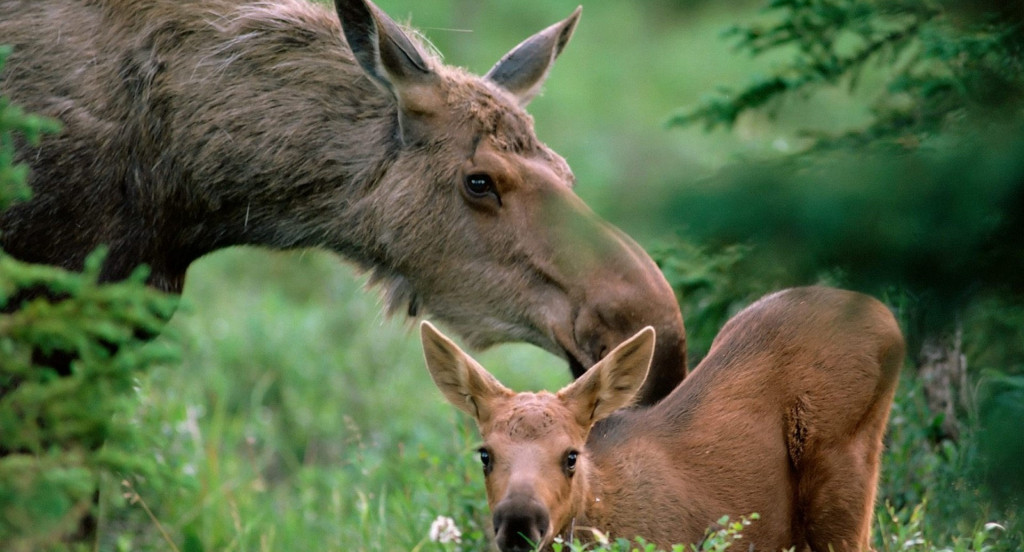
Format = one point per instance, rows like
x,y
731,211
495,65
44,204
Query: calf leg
x,y
836,496
836,454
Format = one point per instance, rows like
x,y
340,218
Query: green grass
x,y
301,419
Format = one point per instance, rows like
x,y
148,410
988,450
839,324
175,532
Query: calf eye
x,y
485,459
481,185
570,461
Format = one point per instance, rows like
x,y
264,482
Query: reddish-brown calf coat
x,y
784,417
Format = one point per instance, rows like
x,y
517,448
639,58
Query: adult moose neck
x,y
192,128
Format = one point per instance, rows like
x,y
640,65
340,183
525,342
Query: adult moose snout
x,y
620,290
520,523
633,294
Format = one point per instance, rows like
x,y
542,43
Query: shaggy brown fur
x,y
784,417
193,125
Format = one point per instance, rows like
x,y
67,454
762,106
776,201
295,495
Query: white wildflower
x,y
444,530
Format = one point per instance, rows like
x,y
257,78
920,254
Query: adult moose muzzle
x,y
193,125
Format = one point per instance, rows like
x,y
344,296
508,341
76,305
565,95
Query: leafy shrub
x,y
943,63
59,431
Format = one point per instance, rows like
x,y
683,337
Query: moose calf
x,y
784,417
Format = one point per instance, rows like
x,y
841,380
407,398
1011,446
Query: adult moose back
x,y
783,417
193,125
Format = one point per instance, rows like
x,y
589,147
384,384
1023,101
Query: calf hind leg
x,y
836,494
837,477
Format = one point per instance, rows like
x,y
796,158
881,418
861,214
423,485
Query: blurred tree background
x,y
750,145
921,202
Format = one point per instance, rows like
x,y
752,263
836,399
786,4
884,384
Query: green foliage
x,y
926,471
941,64
920,204
939,221
57,432
902,530
713,283
14,121
721,536
999,417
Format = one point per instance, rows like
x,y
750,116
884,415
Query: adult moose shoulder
x,y
193,125
784,417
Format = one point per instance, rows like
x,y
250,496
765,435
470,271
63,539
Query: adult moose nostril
x,y
600,327
590,331
520,525
612,313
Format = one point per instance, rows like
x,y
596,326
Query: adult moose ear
x,y
613,382
393,61
465,383
522,71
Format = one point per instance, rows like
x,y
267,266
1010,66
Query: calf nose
x,y
520,523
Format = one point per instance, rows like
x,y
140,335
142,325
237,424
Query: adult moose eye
x,y
485,459
570,462
480,185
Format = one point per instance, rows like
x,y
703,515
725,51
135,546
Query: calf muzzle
x,y
520,524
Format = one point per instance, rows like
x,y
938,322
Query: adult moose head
x,y
193,125
784,417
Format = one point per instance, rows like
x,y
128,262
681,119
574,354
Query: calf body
x,y
784,417
193,125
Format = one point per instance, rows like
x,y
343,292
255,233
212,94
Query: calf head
x,y
533,454
475,220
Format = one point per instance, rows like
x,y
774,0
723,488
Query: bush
x,y
58,432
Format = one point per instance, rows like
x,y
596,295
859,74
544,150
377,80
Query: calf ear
x,y
465,383
613,382
523,70
393,61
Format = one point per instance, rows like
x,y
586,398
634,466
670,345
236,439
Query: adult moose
x,y
193,125
784,417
